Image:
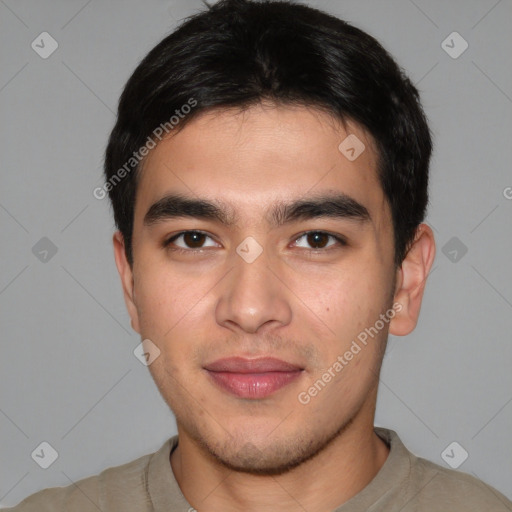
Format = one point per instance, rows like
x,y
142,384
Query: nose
x,y
253,297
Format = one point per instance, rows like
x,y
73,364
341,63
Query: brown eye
x,y
190,240
318,240
193,239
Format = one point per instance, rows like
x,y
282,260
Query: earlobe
x,y
411,281
127,281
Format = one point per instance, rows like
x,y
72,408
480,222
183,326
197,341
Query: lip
x,y
252,378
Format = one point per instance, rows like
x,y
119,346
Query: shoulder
x,y
122,487
421,485
436,487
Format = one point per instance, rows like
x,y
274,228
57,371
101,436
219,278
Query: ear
x,y
126,275
411,279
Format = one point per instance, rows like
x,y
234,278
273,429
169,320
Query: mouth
x,y
252,378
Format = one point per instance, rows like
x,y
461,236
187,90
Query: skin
x,y
297,302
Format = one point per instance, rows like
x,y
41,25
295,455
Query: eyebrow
x,y
335,205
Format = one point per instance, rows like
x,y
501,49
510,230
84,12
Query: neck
x,y
321,484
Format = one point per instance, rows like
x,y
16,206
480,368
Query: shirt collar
x,y
166,494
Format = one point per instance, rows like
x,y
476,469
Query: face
x,y
258,301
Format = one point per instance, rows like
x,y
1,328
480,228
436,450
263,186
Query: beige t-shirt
x,y
405,483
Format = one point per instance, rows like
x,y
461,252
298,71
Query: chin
x,y
274,459
268,454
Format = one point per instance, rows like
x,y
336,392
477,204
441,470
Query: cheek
x,y
350,305
166,298
345,297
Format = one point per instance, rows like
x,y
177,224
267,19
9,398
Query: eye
x,y
319,240
189,241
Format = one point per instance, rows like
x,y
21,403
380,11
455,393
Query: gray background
x,y
68,375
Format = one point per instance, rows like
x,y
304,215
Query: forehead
x,y
264,154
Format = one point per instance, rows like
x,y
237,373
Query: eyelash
x,y
166,244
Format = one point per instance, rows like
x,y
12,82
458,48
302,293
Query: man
x,y
268,173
